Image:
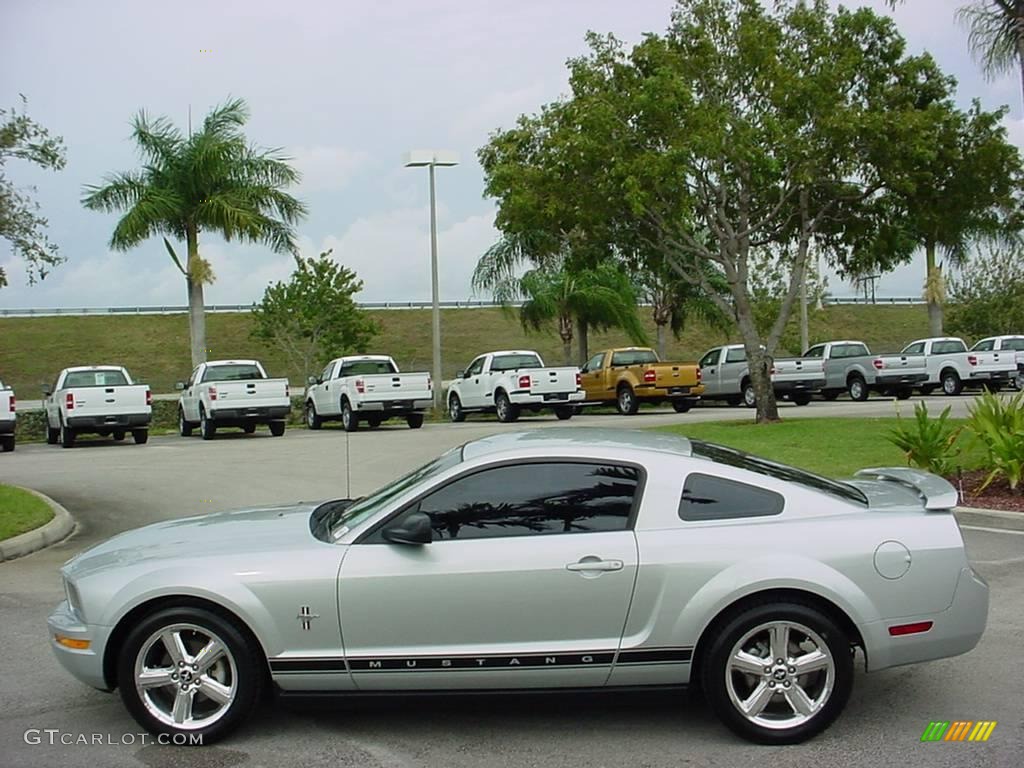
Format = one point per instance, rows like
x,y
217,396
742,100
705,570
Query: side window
x,y
476,366
325,374
948,347
820,352
594,363
711,358
192,377
914,349
736,355
706,497
984,346
533,500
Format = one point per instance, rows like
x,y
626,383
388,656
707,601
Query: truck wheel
x,y
951,384
831,394
249,428
184,427
7,443
564,412
313,421
682,406
349,418
1018,381
206,427
626,402
140,436
507,413
67,436
858,389
52,435
455,412
414,420
749,397
801,398
119,435
276,428
904,393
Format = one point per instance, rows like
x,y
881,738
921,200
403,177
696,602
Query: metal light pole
x,y
431,159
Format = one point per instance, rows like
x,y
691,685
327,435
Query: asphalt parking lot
x,y
112,487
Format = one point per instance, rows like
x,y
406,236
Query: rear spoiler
x,y
936,491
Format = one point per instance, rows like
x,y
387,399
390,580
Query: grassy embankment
x,y
21,511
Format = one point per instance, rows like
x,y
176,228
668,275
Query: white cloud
x,y
326,168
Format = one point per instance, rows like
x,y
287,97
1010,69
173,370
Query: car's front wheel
x,y
184,427
455,412
778,673
190,673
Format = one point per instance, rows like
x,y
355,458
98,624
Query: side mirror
x,y
47,391
179,385
312,380
414,529
464,374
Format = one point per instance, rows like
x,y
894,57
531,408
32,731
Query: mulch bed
x,y
997,496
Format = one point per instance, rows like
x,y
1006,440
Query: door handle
x,y
592,563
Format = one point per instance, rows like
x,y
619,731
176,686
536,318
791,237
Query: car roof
x,y
511,352
549,442
79,368
232,362
629,349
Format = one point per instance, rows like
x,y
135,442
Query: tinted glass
x,y
736,355
80,379
820,352
514,362
710,358
367,367
533,499
634,357
242,372
1014,344
948,347
594,363
735,458
914,349
984,346
475,367
854,350
715,498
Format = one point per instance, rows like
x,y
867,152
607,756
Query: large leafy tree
x,y
988,298
313,317
22,138
211,180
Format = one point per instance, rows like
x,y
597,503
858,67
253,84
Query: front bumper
x,y
900,379
86,665
955,630
265,413
394,406
800,385
524,397
113,421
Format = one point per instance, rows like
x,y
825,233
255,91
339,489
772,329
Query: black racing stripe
x,y
653,655
427,663
308,665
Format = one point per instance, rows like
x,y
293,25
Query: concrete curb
x,y
992,518
58,529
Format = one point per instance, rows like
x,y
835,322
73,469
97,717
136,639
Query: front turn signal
x,y
72,642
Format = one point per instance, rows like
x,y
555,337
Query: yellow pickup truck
x,y
629,376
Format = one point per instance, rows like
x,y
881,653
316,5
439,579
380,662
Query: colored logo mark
x,y
958,730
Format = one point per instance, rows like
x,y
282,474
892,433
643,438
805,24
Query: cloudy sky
x,y
345,87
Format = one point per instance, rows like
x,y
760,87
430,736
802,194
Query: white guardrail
x,y
182,309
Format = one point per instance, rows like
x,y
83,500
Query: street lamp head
x,y
419,158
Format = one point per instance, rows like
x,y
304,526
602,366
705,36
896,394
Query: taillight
x,y
69,401
700,375
12,403
524,382
910,629
771,371
650,376
579,381
149,397
972,359
212,392
288,391
879,365
430,383
360,386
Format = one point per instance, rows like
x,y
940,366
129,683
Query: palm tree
x,y
211,180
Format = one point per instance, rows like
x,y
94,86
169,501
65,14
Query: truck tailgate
x,y
106,401
900,364
798,369
673,375
1004,362
394,386
255,393
548,381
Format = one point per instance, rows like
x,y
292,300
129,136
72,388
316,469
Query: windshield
x,y
244,372
349,517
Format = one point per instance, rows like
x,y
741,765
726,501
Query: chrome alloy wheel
x,y
780,675
185,676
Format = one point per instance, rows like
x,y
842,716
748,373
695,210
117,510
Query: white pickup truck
x,y
232,393
508,381
369,387
1013,344
8,418
96,399
952,367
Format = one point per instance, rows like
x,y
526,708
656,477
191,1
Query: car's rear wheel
x,y
249,428
682,406
206,426
184,427
7,443
349,418
52,435
927,389
188,672
858,389
801,398
374,421
66,436
119,435
904,393
414,420
276,428
734,400
455,412
564,412
951,384
626,402
140,436
507,412
749,395
778,673
831,394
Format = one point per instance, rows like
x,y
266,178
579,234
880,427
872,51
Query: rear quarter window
x,y
948,347
706,497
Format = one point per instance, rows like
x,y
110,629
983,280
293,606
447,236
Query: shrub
x,y
998,425
928,443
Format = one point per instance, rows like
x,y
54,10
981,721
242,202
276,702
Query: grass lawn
x,y
20,511
830,447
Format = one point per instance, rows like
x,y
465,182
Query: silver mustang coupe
x,y
551,559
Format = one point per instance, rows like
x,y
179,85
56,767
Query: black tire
x,y
206,426
1018,382
242,668
66,436
564,412
7,443
717,679
119,435
904,393
276,428
374,421
927,389
858,389
349,418
249,428
52,435
682,406
140,436
184,427
950,381
455,412
313,420
625,401
414,420
749,396
831,394
507,413
801,398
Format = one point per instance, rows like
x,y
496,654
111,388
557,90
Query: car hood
x,y
221,533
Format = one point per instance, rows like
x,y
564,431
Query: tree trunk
x,y
565,332
758,360
933,291
582,340
196,308
805,333
660,329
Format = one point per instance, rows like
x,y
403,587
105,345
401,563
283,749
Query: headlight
x,y
74,601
